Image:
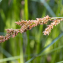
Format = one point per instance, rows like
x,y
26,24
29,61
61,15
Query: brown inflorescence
x,y
48,29
27,25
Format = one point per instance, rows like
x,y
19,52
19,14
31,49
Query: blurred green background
x,y
31,46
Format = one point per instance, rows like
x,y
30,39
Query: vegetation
x,y
31,46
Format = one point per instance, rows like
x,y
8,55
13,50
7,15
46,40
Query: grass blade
x,y
46,48
48,8
9,59
60,62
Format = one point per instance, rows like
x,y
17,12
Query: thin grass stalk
x,y
61,26
55,32
38,41
41,29
21,50
28,41
21,39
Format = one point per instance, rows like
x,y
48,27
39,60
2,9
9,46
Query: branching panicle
x,y
27,25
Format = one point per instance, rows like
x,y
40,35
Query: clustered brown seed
x,y
27,25
10,33
48,29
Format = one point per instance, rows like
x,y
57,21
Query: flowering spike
x,y
27,25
